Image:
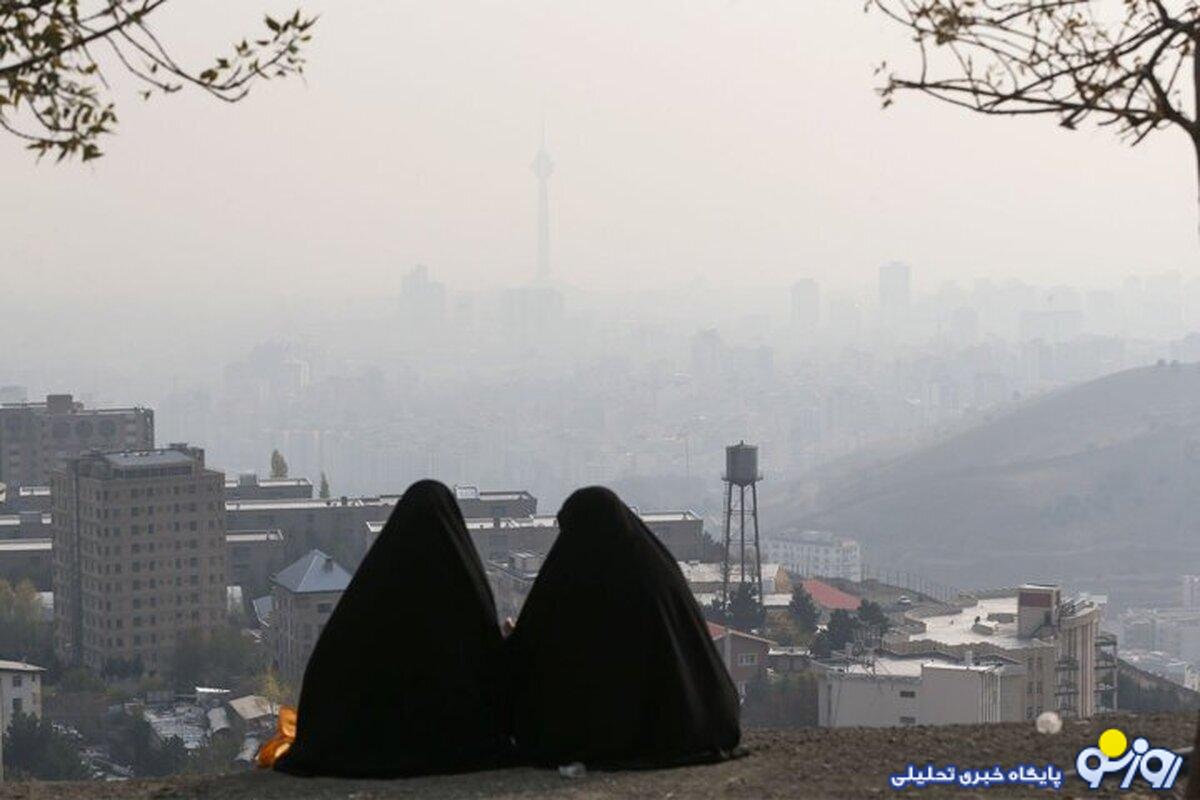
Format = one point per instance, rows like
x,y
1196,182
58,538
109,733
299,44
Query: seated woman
x,y
611,661
403,680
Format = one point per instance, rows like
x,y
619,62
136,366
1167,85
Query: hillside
x,y
1095,484
810,762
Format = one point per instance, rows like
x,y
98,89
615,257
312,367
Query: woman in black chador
x,y
404,678
611,661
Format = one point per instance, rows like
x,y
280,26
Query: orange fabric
x,y
277,745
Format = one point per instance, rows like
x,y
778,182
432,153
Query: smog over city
x,y
879,327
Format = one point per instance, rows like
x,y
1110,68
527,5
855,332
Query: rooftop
x,y
19,666
246,537
26,546
149,458
891,666
313,572
830,598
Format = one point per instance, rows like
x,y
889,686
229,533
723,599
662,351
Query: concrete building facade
x,y
20,691
816,554
304,595
139,556
38,438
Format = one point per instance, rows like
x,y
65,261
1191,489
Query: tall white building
x,y
816,554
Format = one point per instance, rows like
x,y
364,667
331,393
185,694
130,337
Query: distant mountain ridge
x,y
1095,485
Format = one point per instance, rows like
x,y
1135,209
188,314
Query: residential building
x,y
1070,667
743,654
27,559
477,504
38,438
304,595
816,554
884,690
706,579
248,486
139,556
25,525
496,539
20,691
253,557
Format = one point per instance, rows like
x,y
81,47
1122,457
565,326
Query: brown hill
x,y
1094,485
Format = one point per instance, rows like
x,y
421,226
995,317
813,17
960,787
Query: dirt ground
x,y
809,763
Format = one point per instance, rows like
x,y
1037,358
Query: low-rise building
x,y
479,504
496,539
744,654
1069,665
248,486
816,554
305,594
709,578
884,690
27,559
253,557
20,691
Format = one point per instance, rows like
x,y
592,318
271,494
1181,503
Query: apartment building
x,y
496,539
1070,666
248,486
38,438
139,556
20,691
253,557
816,554
304,595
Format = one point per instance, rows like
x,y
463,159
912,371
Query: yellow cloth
x,y
277,745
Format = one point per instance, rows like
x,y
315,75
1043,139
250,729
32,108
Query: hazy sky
x,y
693,139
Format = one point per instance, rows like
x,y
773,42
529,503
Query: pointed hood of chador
x,y
611,661
404,678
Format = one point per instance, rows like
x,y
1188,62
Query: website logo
x,y
1114,754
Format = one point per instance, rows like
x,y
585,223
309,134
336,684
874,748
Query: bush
x,y
33,748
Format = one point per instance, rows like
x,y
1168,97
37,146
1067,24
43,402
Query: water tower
x,y
741,472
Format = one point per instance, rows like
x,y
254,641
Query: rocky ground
x,y
809,763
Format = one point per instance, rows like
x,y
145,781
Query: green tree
x,y
22,633
1124,65
222,658
874,622
803,610
745,612
842,629
34,749
323,493
279,465
54,85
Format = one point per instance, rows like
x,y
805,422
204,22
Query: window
x,y
908,720
16,681
324,608
747,659
17,705
908,693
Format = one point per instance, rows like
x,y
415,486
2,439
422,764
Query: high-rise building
x,y
37,438
139,556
